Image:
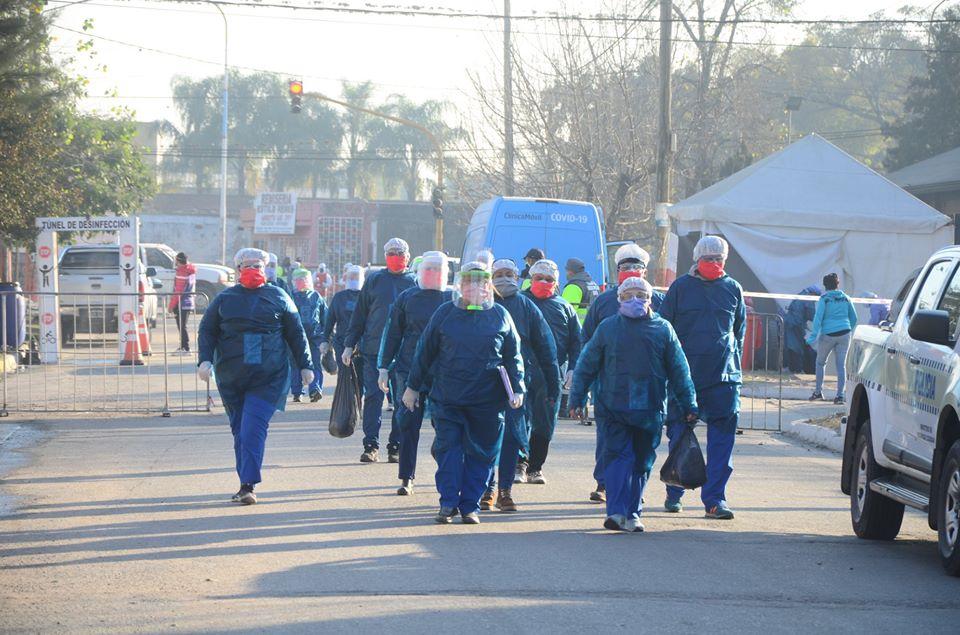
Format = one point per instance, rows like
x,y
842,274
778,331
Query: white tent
x,y
811,209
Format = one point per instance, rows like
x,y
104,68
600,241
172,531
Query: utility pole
x,y
507,104
437,146
223,142
665,144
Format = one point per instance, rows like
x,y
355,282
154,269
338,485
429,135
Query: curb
x,y
819,436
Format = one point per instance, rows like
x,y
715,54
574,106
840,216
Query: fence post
x,y
166,369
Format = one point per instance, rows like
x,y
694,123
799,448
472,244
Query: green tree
x,y
54,161
359,129
931,123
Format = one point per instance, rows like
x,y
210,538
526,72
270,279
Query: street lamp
x,y
223,143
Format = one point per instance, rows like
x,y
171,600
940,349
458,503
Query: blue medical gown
x,y
607,305
338,317
313,313
379,292
246,333
407,319
636,361
710,319
458,355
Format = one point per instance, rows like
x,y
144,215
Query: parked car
x,y
211,279
89,279
902,438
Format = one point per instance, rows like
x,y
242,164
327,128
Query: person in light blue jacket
x,y
833,322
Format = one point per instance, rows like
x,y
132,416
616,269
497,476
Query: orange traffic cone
x,y
131,351
143,334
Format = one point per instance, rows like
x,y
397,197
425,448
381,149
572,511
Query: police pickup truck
x,y
902,439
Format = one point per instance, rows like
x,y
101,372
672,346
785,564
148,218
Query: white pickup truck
x,y
902,439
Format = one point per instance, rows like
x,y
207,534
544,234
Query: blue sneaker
x,y
720,511
672,506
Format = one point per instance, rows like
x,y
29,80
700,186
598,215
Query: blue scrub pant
x,y
296,384
373,408
409,424
515,425
720,408
543,422
466,447
249,421
629,453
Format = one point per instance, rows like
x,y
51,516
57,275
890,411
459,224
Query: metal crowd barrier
x,y
92,372
761,398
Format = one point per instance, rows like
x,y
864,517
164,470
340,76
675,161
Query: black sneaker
x,y
246,496
839,401
599,495
370,455
236,497
316,396
445,515
817,396
393,455
297,399
406,488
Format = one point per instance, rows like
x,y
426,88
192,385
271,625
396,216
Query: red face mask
x,y
710,270
623,275
542,289
396,264
252,278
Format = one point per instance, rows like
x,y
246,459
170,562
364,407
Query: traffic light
x,y
438,202
296,95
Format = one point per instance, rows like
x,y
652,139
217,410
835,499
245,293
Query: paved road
x,y
122,524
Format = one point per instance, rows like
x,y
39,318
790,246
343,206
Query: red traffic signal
x,y
296,95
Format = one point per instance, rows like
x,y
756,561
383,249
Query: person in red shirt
x,y
183,300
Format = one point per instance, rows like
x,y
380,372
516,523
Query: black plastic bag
x,y
347,404
329,362
685,466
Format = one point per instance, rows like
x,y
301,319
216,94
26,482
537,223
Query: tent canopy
x,y
813,184
811,209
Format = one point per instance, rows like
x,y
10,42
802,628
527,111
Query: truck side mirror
x,y
151,272
157,284
932,327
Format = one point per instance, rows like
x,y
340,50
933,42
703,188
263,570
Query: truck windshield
x,y
83,259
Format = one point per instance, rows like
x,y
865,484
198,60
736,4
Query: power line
x,y
235,66
416,11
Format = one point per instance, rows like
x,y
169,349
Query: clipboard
x,y
506,383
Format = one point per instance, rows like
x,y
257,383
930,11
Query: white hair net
x,y
711,246
322,267
250,254
632,250
505,263
545,268
272,260
397,243
640,284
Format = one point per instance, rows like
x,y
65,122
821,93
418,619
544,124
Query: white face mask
x,y
353,284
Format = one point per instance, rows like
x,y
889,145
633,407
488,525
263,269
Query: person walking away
x,y
275,274
407,320
339,314
707,311
183,300
636,356
580,290
246,337
313,313
538,350
832,324
543,405
631,261
799,357
379,292
460,354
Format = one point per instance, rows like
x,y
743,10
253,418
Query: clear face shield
x,y
473,290
432,271
302,280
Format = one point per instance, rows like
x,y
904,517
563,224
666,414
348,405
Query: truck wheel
x,y
874,517
948,511
208,290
